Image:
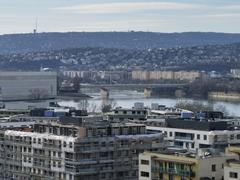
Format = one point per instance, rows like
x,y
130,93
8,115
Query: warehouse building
x,y
27,85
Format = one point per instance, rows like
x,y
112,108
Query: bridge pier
x,y
147,92
104,93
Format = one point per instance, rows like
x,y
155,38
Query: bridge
x,y
133,86
148,89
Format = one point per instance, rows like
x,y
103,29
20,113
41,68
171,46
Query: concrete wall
x,y
143,167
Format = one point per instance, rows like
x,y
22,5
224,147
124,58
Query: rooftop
x,y
184,156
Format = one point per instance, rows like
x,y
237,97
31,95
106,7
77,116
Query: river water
x,y
124,98
127,98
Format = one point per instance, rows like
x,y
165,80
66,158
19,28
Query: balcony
x,y
173,171
88,149
52,146
86,171
81,162
184,138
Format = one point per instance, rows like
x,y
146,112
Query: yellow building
x,y
182,166
232,166
187,75
166,75
140,75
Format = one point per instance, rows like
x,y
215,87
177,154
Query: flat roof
x,y
171,157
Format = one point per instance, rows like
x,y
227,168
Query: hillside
x,y
210,57
18,43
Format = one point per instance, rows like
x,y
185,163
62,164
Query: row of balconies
x,y
174,171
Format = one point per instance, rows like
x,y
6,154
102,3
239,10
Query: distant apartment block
x,y
102,75
166,75
235,73
27,85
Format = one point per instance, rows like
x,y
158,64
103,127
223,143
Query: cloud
x,y
219,16
230,7
126,7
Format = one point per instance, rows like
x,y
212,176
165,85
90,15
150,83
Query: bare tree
x,y
194,106
92,108
108,105
83,104
38,94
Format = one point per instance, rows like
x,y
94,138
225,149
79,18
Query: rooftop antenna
x,y
36,26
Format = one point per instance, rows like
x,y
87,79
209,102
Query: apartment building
x,y
187,75
194,134
102,75
166,75
131,114
232,166
76,149
172,165
141,75
235,73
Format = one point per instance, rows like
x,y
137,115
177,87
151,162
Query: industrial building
x,y
27,85
76,149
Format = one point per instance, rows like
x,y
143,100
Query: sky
x,y
20,16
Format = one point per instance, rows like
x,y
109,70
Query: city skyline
x,y
20,16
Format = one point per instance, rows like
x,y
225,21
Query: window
x,y
205,137
145,162
59,165
144,174
238,136
213,167
170,134
64,144
192,145
233,175
198,136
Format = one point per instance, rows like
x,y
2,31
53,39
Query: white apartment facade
x,y
195,139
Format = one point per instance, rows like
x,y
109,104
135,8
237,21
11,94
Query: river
x,y
127,98
124,98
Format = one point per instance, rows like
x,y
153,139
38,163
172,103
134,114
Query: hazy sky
x,y
17,16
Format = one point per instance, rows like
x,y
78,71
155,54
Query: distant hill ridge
x,y
207,58
18,43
